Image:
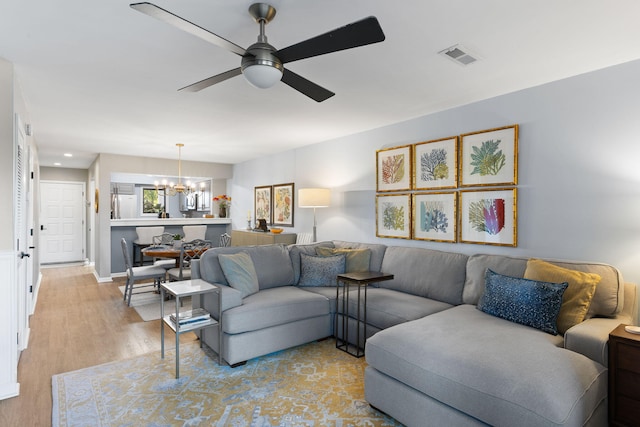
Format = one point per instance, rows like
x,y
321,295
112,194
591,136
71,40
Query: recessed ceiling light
x,y
57,164
68,155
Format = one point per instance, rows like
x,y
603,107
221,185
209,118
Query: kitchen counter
x,y
139,222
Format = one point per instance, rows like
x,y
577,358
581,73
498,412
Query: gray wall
x,y
64,174
100,172
579,174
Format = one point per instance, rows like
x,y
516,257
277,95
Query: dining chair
x,y
165,239
225,240
193,232
135,274
188,252
304,238
144,240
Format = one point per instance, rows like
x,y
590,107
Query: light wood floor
x,y
77,323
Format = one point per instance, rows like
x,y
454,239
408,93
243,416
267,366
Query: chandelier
x,y
171,189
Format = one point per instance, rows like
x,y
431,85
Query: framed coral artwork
x,y
489,217
262,203
393,169
434,216
393,215
436,164
283,195
489,157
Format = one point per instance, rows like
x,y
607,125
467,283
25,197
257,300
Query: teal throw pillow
x,y
528,302
240,272
319,270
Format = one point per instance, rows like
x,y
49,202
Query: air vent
x,y
458,54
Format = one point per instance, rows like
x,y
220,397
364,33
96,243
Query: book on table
x,y
191,316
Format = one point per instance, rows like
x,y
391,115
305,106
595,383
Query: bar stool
x,y
144,240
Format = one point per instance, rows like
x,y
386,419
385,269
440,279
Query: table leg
x,y
162,291
177,338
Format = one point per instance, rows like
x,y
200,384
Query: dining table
x,y
163,251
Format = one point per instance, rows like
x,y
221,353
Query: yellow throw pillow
x,y
357,259
576,299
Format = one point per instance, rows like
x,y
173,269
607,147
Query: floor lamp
x,y
314,198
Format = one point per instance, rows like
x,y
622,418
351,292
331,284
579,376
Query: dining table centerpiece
x,y
224,203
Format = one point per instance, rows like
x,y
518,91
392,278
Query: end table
x,y
181,289
624,378
361,280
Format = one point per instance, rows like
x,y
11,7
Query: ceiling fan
x,y
262,64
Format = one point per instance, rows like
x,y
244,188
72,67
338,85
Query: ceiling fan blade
x,y
203,84
189,27
359,33
306,87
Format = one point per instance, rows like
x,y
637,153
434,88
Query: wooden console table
x,y
253,238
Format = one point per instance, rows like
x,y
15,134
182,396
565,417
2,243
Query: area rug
x,y
147,304
310,385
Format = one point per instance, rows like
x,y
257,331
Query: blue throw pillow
x,y
319,270
528,302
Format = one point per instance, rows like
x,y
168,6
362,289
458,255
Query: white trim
x,y
9,385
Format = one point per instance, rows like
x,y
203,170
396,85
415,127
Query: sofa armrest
x,y
230,298
591,337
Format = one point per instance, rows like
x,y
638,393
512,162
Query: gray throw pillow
x,y
240,272
319,270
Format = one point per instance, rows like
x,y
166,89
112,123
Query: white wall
x,y
579,174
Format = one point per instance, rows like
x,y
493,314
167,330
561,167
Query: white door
x,y
62,219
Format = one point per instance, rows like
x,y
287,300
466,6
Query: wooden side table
x,y
361,280
624,378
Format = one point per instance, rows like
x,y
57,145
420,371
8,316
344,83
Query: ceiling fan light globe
x,y
262,76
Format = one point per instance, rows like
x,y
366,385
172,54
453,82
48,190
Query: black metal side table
x,y
345,281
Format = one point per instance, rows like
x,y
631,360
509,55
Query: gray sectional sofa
x,y
433,357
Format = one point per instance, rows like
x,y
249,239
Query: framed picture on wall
x,y
489,217
435,217
489,157
283,197
435,164
393,215
393,169
262,203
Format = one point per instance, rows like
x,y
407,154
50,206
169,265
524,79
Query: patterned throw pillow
x,y
357,259
528,302
320,271
240,272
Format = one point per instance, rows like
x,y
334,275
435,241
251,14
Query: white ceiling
x,y
99,76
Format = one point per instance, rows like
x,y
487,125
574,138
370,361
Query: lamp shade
x,y
314,197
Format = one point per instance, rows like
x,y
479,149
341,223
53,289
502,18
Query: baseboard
x,y
101,279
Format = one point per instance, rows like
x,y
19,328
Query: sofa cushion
x,y
357,260
425,272
296,250
272,307
528,302
500,372
377,252
608,299
477,266
320,270
240,272
386,307
271,262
